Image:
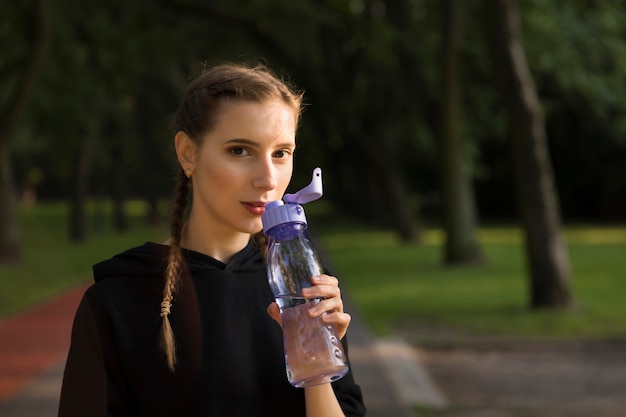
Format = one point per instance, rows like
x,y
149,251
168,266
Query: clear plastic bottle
x,y
313,352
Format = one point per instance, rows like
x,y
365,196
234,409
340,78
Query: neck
x,y
222,248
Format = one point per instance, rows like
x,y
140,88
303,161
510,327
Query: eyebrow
x,y
242,141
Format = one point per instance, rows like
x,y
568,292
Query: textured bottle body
x,y
313,352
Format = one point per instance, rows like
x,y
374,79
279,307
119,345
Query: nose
x,y
265,177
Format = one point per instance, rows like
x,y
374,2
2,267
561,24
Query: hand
x,y
325,287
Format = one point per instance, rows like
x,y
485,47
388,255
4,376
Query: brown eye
x,y
282,154
239,151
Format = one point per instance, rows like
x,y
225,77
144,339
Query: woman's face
x,y
239,166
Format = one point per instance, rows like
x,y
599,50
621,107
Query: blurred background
x,y
473,151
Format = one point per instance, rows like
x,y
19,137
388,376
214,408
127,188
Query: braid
x,y
261,241
174,268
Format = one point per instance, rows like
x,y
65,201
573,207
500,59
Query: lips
x,y
254,207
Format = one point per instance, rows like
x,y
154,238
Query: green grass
x,y
394,284
51,263
391,283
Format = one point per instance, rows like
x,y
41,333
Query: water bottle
x,y
313,352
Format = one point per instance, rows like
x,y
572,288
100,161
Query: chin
x,y
252,228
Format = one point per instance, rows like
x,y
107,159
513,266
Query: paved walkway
x,y
33,348
34,344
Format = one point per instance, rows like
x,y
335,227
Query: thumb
x,y
274,313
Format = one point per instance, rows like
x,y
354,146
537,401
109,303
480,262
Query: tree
x,y
546,253
25,71
459,212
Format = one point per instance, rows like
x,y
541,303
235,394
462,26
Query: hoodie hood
x,y
150,259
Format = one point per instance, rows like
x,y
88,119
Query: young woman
x,y
188,327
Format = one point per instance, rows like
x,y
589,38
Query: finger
x,y
324,286
342,319
339,321
321,291
274,312
329,305
324,279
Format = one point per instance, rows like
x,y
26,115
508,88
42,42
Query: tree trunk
x,y
120,222
10,236
459,212
388,191
547,256
395,202
152,217
383,153
10,240
78,198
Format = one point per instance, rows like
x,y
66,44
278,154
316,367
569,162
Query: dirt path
x,y
512,378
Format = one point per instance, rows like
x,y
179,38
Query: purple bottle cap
x,y
311,192
277,212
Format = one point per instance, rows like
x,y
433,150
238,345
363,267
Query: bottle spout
x,y
311,192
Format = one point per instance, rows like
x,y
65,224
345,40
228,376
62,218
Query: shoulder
x,y
147,260
128,274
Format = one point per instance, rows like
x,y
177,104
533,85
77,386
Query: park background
x,y
473,151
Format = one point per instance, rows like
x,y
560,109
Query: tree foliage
x,y
364,64
98,123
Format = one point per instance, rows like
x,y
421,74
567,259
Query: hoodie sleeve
x,y
87,388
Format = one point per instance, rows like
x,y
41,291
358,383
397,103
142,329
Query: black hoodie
x,y
230,352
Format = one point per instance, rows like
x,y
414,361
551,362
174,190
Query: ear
x,y
185,151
